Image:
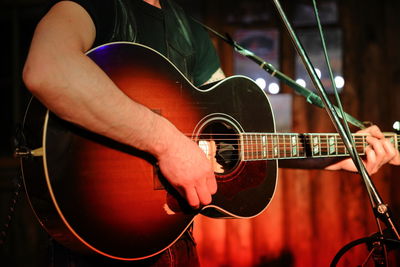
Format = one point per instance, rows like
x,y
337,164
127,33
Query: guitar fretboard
x,y
262,146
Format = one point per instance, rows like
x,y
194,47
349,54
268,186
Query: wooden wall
x,y
314,212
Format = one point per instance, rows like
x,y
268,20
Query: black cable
x,y
11,210
19,141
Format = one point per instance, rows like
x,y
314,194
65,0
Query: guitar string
x,y
340,151
271,154
300,144
253,138
257,144
292,134
285,147
280,144
273,139
254,150
289,150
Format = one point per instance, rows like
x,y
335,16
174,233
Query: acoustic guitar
x,y
93,194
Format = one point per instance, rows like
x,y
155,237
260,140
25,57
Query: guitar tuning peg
x,y
396,126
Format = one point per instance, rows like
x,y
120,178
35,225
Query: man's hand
x,y
379,152
189,171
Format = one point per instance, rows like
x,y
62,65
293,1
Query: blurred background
x,y
314,213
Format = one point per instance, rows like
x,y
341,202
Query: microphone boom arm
x,y
310,96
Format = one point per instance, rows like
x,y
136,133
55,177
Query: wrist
x,y
164,136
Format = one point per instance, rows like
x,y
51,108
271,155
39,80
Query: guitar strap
x,y
179,44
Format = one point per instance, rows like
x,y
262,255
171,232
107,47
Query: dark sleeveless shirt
x,y
168,30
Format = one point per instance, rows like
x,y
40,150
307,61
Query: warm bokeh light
x,y
318,71
339,81
273,88
301,82
261,83
396,125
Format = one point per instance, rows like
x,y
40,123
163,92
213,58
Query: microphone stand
x,y
310,96
380,209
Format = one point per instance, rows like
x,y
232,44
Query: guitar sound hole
x,y
220,142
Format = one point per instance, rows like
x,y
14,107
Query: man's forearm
x,y
76,90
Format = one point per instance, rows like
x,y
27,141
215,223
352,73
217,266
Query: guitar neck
x,y
264,146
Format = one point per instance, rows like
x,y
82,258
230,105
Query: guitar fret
x,y
276,148
258,152
314,145
332,145
336,145
365,143
287,152
326,145
270,146
251,147
247,148
319,144
293,145
301,145
289,145
323,145
264,145
255,147
342,150
243,137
